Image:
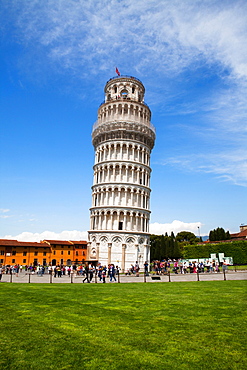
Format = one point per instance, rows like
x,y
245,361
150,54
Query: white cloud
x,y
4,210
155,228
169,35
176,226
226,166
50,235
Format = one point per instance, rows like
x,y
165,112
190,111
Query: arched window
x,y
124,94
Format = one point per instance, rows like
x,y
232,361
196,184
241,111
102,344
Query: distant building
x,y
13,252
47,252
242,235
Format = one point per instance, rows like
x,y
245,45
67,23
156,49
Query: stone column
x,y
123,257
111,224
121,151
125,221
108,173
131,197
137,252
109,253
97,251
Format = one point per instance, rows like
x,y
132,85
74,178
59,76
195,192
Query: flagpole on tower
x,y
117,71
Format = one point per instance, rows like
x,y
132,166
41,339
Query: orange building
x,y
53,252
67,252
13,252
80,251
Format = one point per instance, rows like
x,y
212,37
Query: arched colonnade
x,y
123,196
122,173
122,151
119,220
120,110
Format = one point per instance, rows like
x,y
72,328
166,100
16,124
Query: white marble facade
x,y
123,138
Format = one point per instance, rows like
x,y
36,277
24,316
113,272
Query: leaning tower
x,y
123,138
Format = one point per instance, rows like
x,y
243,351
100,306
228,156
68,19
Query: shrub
x,y
236,249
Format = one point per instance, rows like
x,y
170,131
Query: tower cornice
x,y
123,130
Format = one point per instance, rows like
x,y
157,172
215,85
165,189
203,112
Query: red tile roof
x,y
15,243
241,234
80,242
56,242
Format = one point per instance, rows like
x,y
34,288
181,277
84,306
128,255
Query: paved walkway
x,y
26,278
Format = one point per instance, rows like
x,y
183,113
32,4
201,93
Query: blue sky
x,y
57,55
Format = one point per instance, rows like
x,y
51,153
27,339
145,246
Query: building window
x,y
24,254
13,261
76,253
1,260
68,252
13,253
2,253
120,226
83,253
35,253
54,252
44,253
24,261
61,252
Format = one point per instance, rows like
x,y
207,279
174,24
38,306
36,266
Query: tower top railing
x,y
97,124
124,76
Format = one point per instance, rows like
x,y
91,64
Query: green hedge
x,y
236,249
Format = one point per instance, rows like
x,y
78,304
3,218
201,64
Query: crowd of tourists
x,y
184,267
88,271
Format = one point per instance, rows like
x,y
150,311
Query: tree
x,y
164,247
187,237
219,234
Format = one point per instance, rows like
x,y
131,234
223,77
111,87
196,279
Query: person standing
x,y
59,271
103,274
91,272
100,269
175,267
86,270
112,273
146,268
137,268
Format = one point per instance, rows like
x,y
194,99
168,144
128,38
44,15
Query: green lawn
x,y
190,325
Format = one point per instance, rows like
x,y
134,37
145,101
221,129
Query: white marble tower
x,y
123,138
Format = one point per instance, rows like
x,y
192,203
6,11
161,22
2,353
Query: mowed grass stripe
x,y
121,326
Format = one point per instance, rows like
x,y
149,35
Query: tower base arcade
x,y
120,249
